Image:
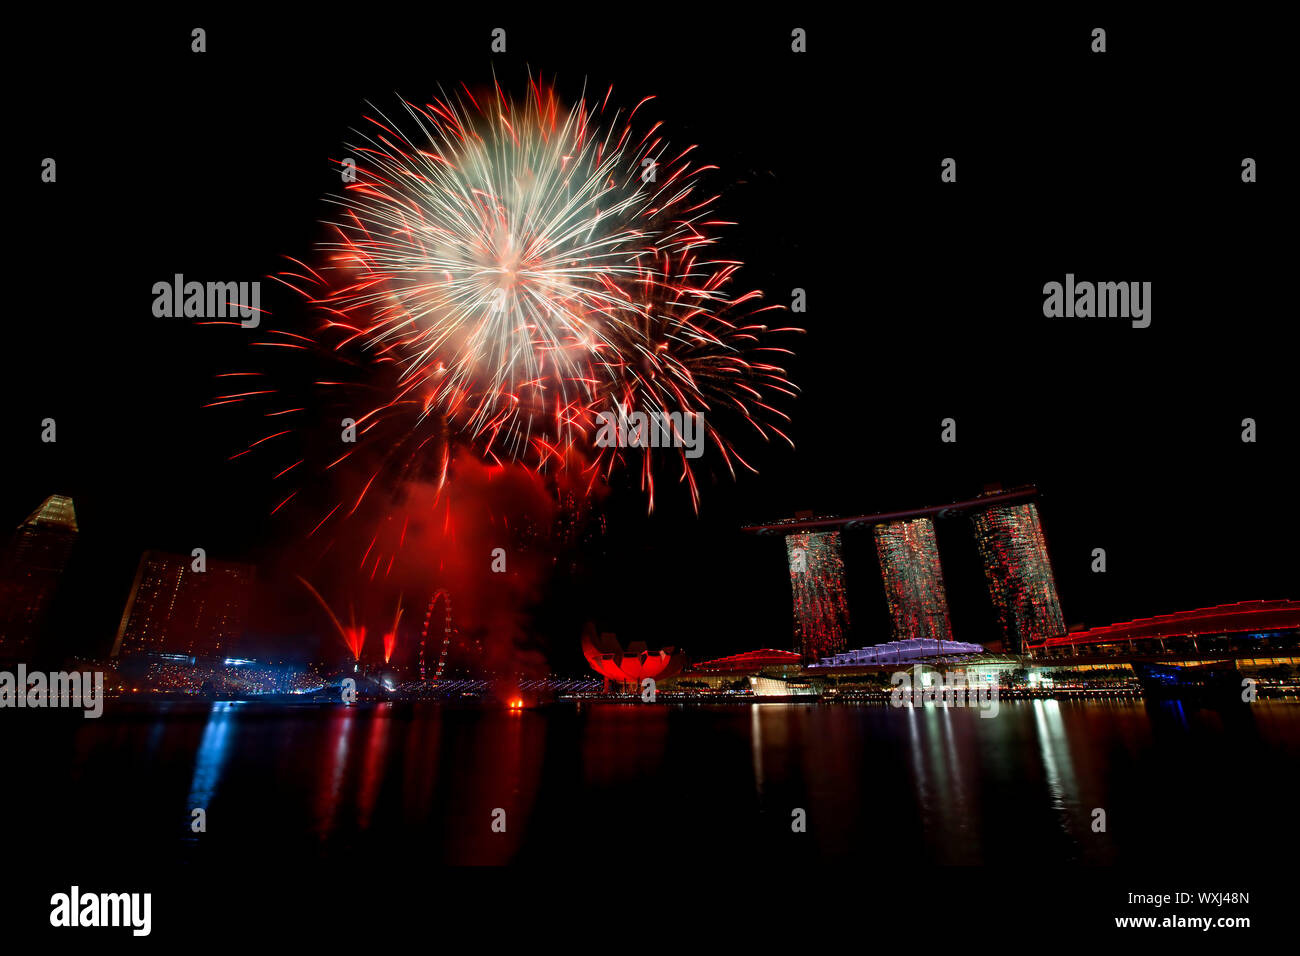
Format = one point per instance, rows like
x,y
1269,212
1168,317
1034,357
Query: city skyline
x,y
165,614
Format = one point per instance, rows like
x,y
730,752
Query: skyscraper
x,y
30,570
821,611
913,578
175,609
1019,574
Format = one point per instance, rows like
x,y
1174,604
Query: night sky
x,y
924,298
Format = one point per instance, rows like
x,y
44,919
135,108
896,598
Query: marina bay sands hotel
x,y
1011,543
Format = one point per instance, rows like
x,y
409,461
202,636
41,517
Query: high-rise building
x,y
30,570
821,611
913,578
1019,574
175,609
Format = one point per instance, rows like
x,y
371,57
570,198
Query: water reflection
x,y
333,766
208,761
376,755
1055,752
930,784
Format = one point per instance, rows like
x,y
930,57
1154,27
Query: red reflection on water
x,y
375,759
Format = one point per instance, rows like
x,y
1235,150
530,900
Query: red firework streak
x,y
354,636
390,636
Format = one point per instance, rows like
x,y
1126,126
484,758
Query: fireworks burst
x,y
500,272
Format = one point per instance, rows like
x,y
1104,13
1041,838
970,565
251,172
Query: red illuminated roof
x,y
765,657
1220,619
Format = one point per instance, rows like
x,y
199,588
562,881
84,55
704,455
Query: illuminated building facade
x,y
174,609
1011,544
30,571
913,578
821,611
1019,574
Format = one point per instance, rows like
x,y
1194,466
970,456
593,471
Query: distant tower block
x,y
31,566
909,563
174,609
1019,574
821,613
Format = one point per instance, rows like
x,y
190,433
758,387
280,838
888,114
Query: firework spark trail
x,y
692,349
